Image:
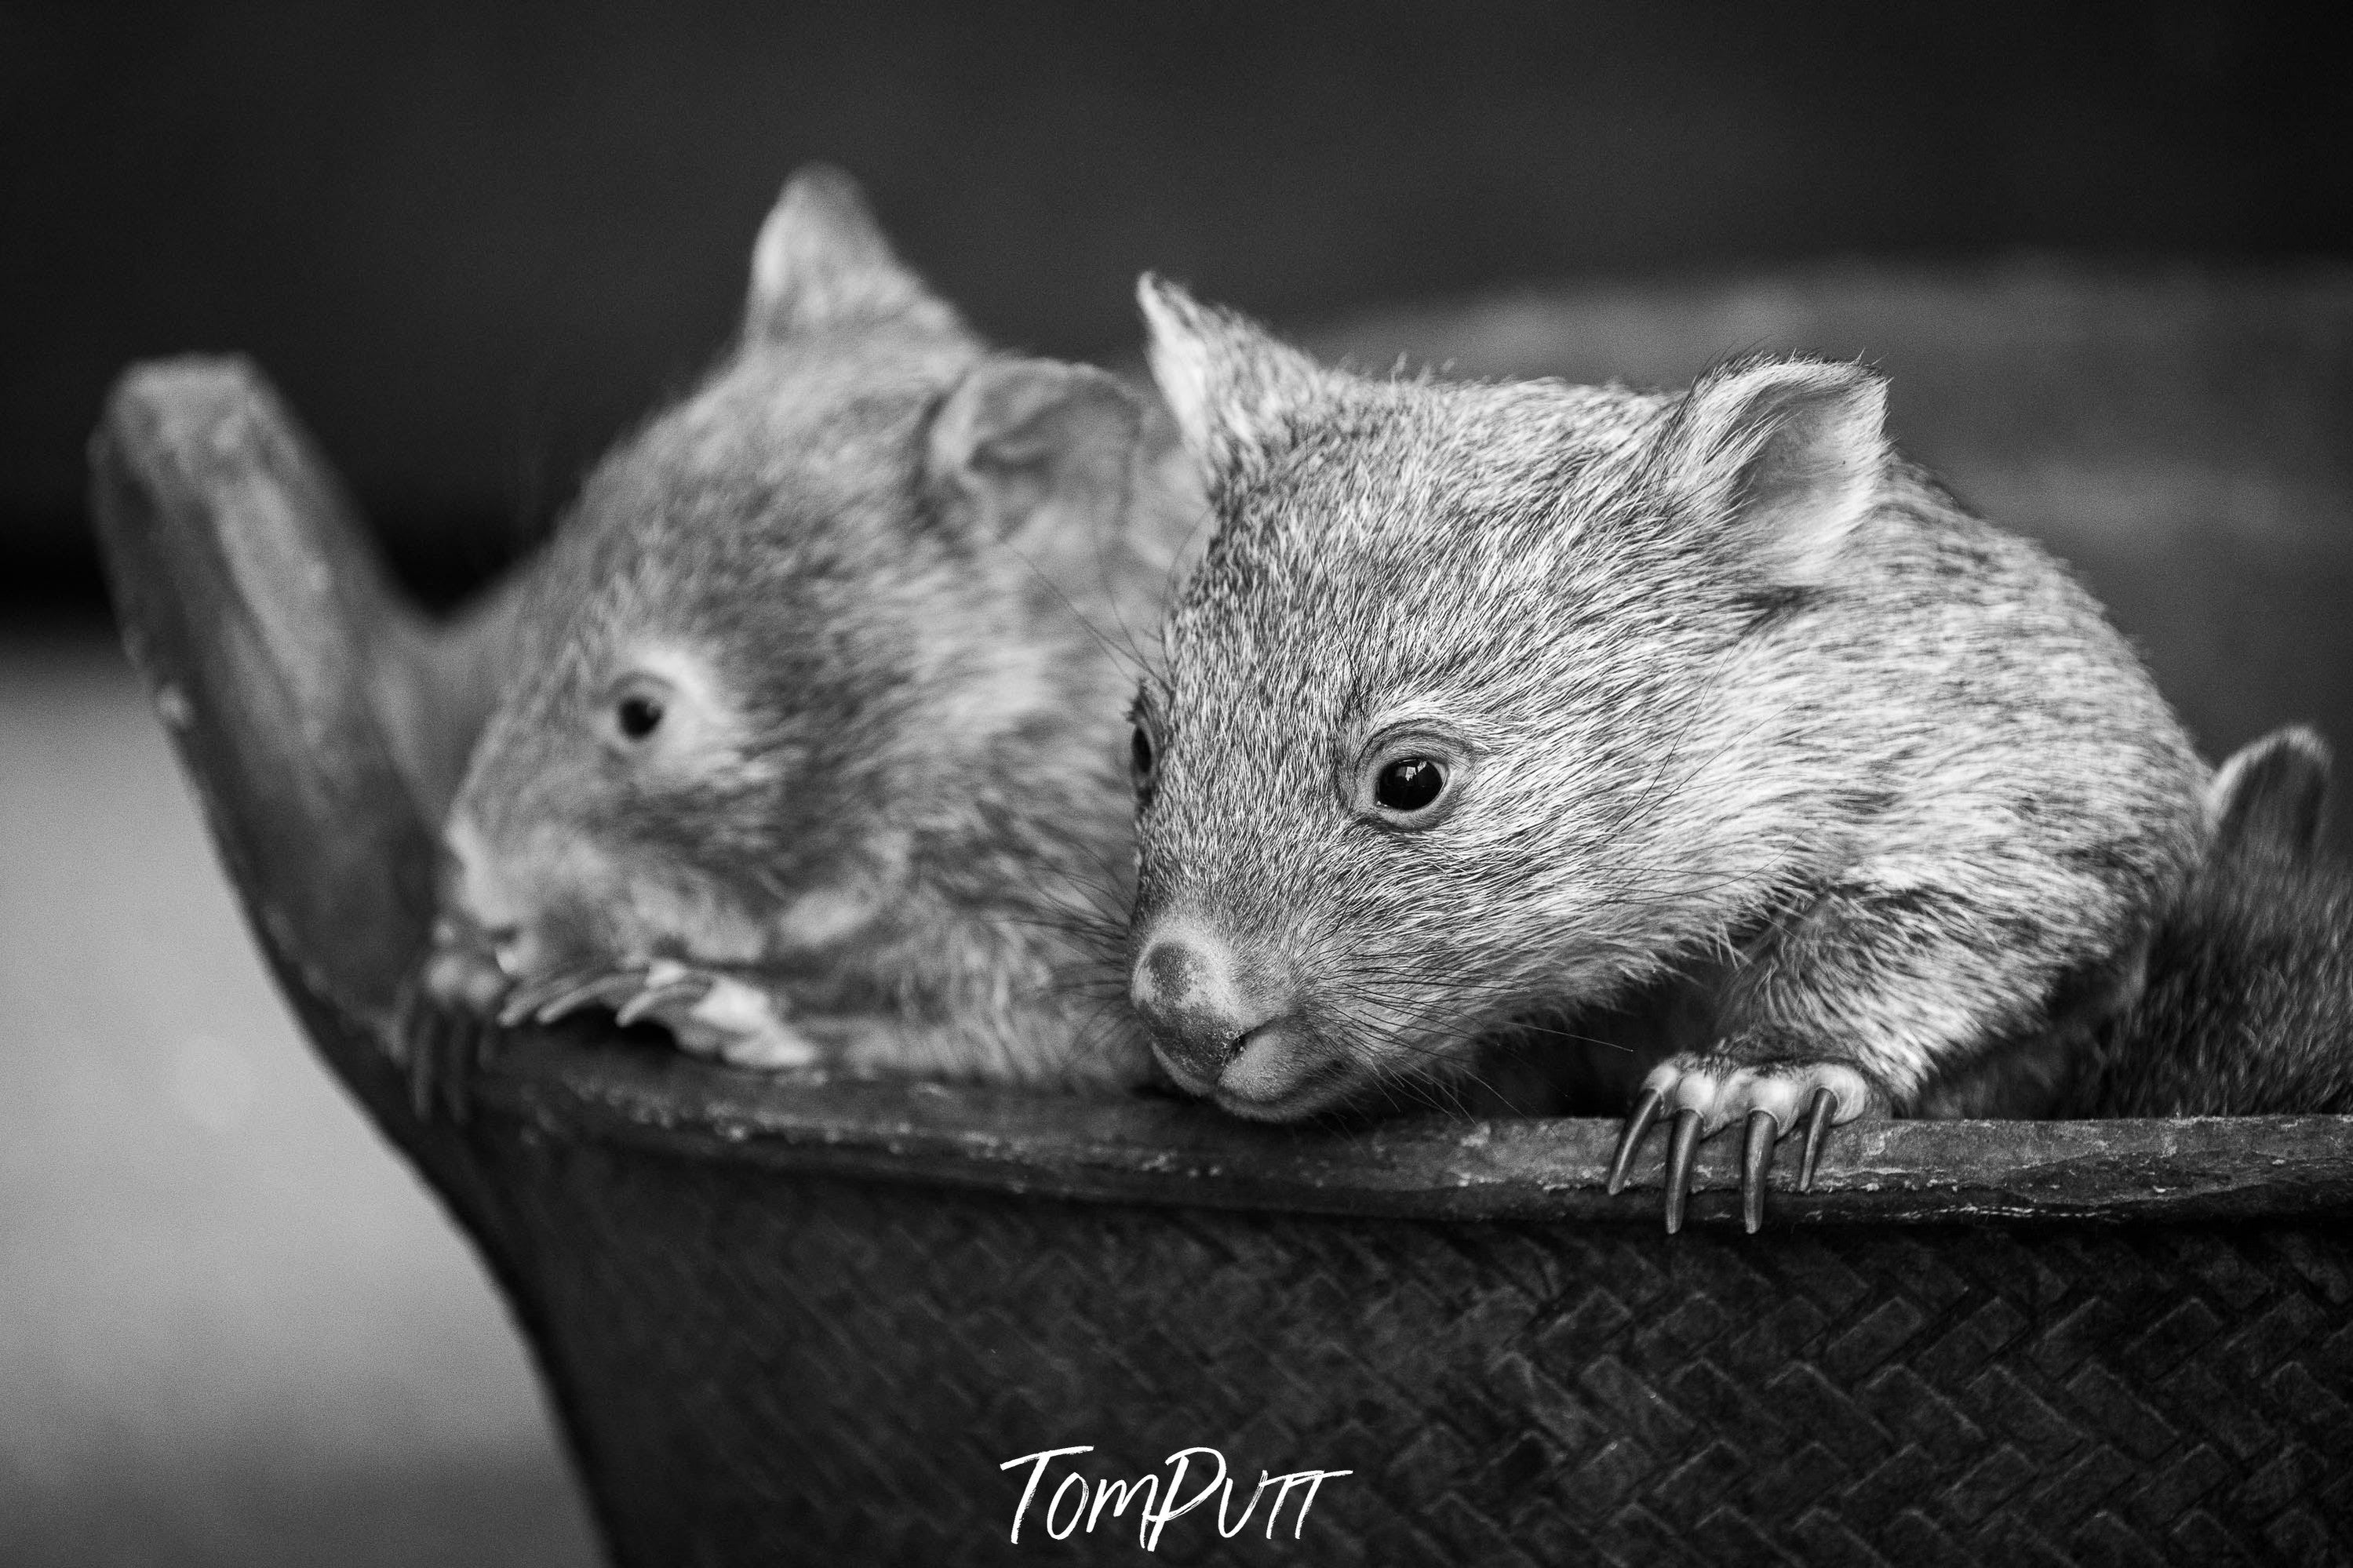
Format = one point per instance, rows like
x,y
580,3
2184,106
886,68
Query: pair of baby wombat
x,y
1701,723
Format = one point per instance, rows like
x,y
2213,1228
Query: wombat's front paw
x,y
1710,1090
459,975
708,1015
716,1016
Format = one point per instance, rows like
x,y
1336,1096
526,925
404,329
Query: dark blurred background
x,y
473,241
2106,252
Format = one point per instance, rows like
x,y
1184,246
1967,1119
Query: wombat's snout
x,y
1222,1020
480,895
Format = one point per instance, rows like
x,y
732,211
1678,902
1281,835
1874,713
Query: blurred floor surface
x,y
234,1327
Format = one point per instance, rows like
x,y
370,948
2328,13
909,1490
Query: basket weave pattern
x,y
1505,1393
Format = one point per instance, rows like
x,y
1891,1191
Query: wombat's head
x,y
798,631
1438,739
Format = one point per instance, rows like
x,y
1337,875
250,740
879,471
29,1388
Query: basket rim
x,y
588,1085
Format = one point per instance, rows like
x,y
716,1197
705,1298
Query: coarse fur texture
x,y
1739,713
2248,1005
812,746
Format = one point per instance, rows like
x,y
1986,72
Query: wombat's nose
x,y
476,891
1197,1002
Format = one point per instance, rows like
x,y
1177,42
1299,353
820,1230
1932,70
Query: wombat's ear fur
x,y
1226,380
1789,451
1020,447
2267,795
821,261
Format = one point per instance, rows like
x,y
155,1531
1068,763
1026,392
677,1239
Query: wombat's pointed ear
x,y
821,261
1022,447
1790,452
2267,795
1226,380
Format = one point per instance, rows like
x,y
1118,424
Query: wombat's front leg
x,y
1853,1006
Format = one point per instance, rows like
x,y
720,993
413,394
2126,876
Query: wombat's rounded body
x,y
1500,702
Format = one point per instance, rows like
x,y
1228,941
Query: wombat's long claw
x,y
610,989
1764,1132
1679,1155
651,1000
1638,1122
417,1024
1817,1126
521,1003
460,1038
528,1000
440,1045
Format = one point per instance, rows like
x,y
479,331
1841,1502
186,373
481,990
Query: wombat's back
x,y
2249,1005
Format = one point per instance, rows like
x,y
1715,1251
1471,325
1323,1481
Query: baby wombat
x,y
2248,1005
812,747
1499,701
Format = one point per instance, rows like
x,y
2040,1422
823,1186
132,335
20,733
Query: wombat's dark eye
x,y
638,715
1410,784
1411,777
1142,756
642,703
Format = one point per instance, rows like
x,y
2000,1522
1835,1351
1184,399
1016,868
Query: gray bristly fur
x,y
1751,703
883,578
2249,1006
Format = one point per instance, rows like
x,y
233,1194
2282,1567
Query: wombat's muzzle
x,y
1222,1017
515,903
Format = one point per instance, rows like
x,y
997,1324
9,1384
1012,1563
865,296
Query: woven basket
x,y
788,1323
